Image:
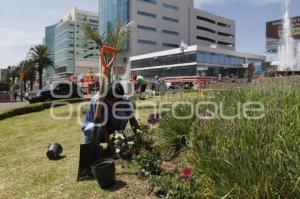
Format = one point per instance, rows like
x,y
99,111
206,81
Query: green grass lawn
x,y
25,171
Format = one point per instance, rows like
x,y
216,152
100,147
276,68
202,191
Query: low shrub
x,y
173,187
128,143
173,132
148,164
34,108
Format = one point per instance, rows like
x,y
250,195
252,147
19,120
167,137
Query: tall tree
x,y
14,74
29,71
116,37
7,75
41,57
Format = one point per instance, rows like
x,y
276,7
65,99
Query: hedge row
x,y
36,108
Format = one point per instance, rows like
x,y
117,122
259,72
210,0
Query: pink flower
x,y
186,173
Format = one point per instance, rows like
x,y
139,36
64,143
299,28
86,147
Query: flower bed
x,y
237,158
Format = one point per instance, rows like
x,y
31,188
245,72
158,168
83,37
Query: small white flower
x,y
104,145
118,150
117,136
130,143
122,137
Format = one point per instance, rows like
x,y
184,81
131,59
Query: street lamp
x,y
22,72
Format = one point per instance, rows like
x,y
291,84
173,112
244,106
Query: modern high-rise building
x,y
159,28
71,52
163,24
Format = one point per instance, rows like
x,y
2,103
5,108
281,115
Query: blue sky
x,y
22,22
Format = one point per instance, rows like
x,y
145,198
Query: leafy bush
x,y
148,163
128,143
123,146
144,138
175,188
245,158
34,108
173,133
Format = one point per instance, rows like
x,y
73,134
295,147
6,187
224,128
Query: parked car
x,y
173,89
53,91
188,86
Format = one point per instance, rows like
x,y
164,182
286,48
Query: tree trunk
x,y
24,86
31,84
13,81
40,79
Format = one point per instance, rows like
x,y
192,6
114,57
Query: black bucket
x,y
54,151
104,172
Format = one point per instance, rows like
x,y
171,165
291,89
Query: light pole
x,y
22,72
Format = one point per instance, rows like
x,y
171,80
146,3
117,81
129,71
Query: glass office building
x,y
112,10
195,61
50,43
64,47
72,53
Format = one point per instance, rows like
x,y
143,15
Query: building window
x,y
201,57
147,14
206,29
94,21
149,1
225,43
61,69
206,19
170,19
147,28
170,32
168,60
225,34
228,60
223,24
192,57
206,39
170,45
215,59
208,58
222,59
171,6
148,42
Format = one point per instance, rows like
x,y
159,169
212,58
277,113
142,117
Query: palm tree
x,y
7,76
14,74
115,37
41,57
29,71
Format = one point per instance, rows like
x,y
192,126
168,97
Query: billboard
x,y
274,32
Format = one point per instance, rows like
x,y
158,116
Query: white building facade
x,y
195,61
163,24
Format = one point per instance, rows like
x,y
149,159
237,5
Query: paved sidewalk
x,y
10,105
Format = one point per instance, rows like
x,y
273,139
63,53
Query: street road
x,y
10,105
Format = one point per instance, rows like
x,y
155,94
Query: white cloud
x,y
200,3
